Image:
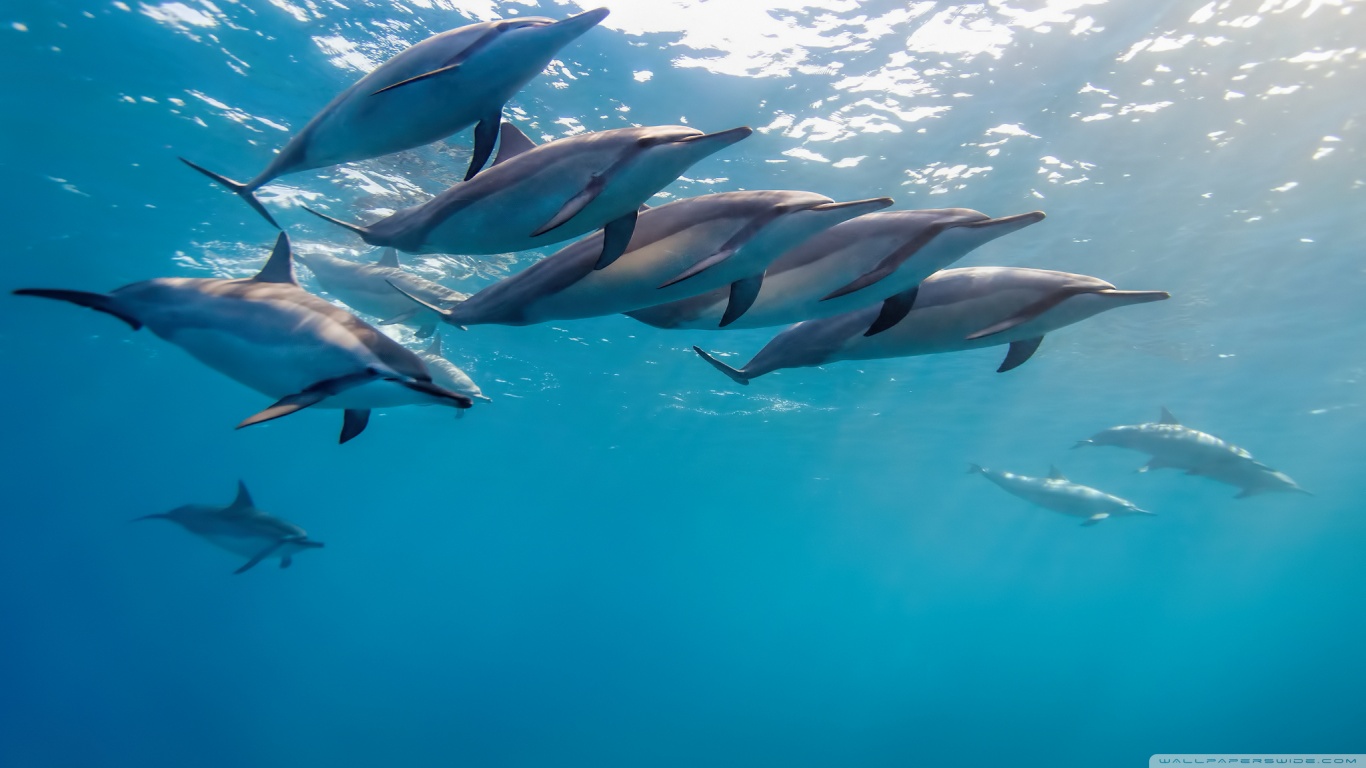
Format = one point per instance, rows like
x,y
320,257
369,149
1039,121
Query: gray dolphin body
x,y
447,375
439,86
242,529
369,288
1059,494
273,336
955,309
678,250
880,257
535,196
1174,445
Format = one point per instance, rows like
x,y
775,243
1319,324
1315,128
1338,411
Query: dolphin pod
x,y
431,90
953,310
1173,445
1059,494
242,529
276,338
540,195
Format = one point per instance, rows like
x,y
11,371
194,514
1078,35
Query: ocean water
x,y
626,559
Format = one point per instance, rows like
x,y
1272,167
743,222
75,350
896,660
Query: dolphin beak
x,y
1136,297
575,26
724,138
1006,224
871,204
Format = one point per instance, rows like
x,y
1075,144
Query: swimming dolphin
x,y
1059,494
1174,445
678,250
446,374
536,196
369,288
876,257
242,529
273,336
439,86
954,310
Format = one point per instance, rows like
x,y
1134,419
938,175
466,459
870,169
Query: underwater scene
x,y
683,383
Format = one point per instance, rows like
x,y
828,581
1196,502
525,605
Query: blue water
x,y
625,559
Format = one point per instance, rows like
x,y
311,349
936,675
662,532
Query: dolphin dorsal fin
x,y
243,500
435,347
1055,474
1168,418
279,267
388,258
511,142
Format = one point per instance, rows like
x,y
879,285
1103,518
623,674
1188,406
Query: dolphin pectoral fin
x,y
736,376
1247,493
700,267
279,267
485,135
615,237
314,394
1019,352
401,317
428,305
97,301
742,296
575,205
511,143
359,230
425,331
1028,313
259,556
1155,463
285,562
243,191
354,421
428,388
1096,518
419,78
894,310
889,264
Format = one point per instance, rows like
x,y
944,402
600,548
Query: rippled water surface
x,y
626,559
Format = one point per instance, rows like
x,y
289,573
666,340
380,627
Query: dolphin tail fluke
x,y
244,191
1093,519
738,377
97,301
359,230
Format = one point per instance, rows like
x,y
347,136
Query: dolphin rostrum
x,y
1059,494
678,250
954,310
1173,445
273,336
540,195
447,375
877,257
369,288
242,529
439,86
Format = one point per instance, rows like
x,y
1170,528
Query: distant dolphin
x,y
273,336
678,250
445,373
242,529
1059,494
537,196
369,288
875,257
439,86
1173,445
955,309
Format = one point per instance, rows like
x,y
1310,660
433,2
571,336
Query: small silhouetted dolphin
x,y
537,196
242,529
677,250
877,257
446,374
369,288
954,310
273,336
1174,445
437,87
1059,494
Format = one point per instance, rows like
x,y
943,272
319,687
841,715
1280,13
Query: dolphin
x,y
438,87
1059,494
955,309
879,257
445,373
678,250
242,529
1174,445
539,195
369,288
276,338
